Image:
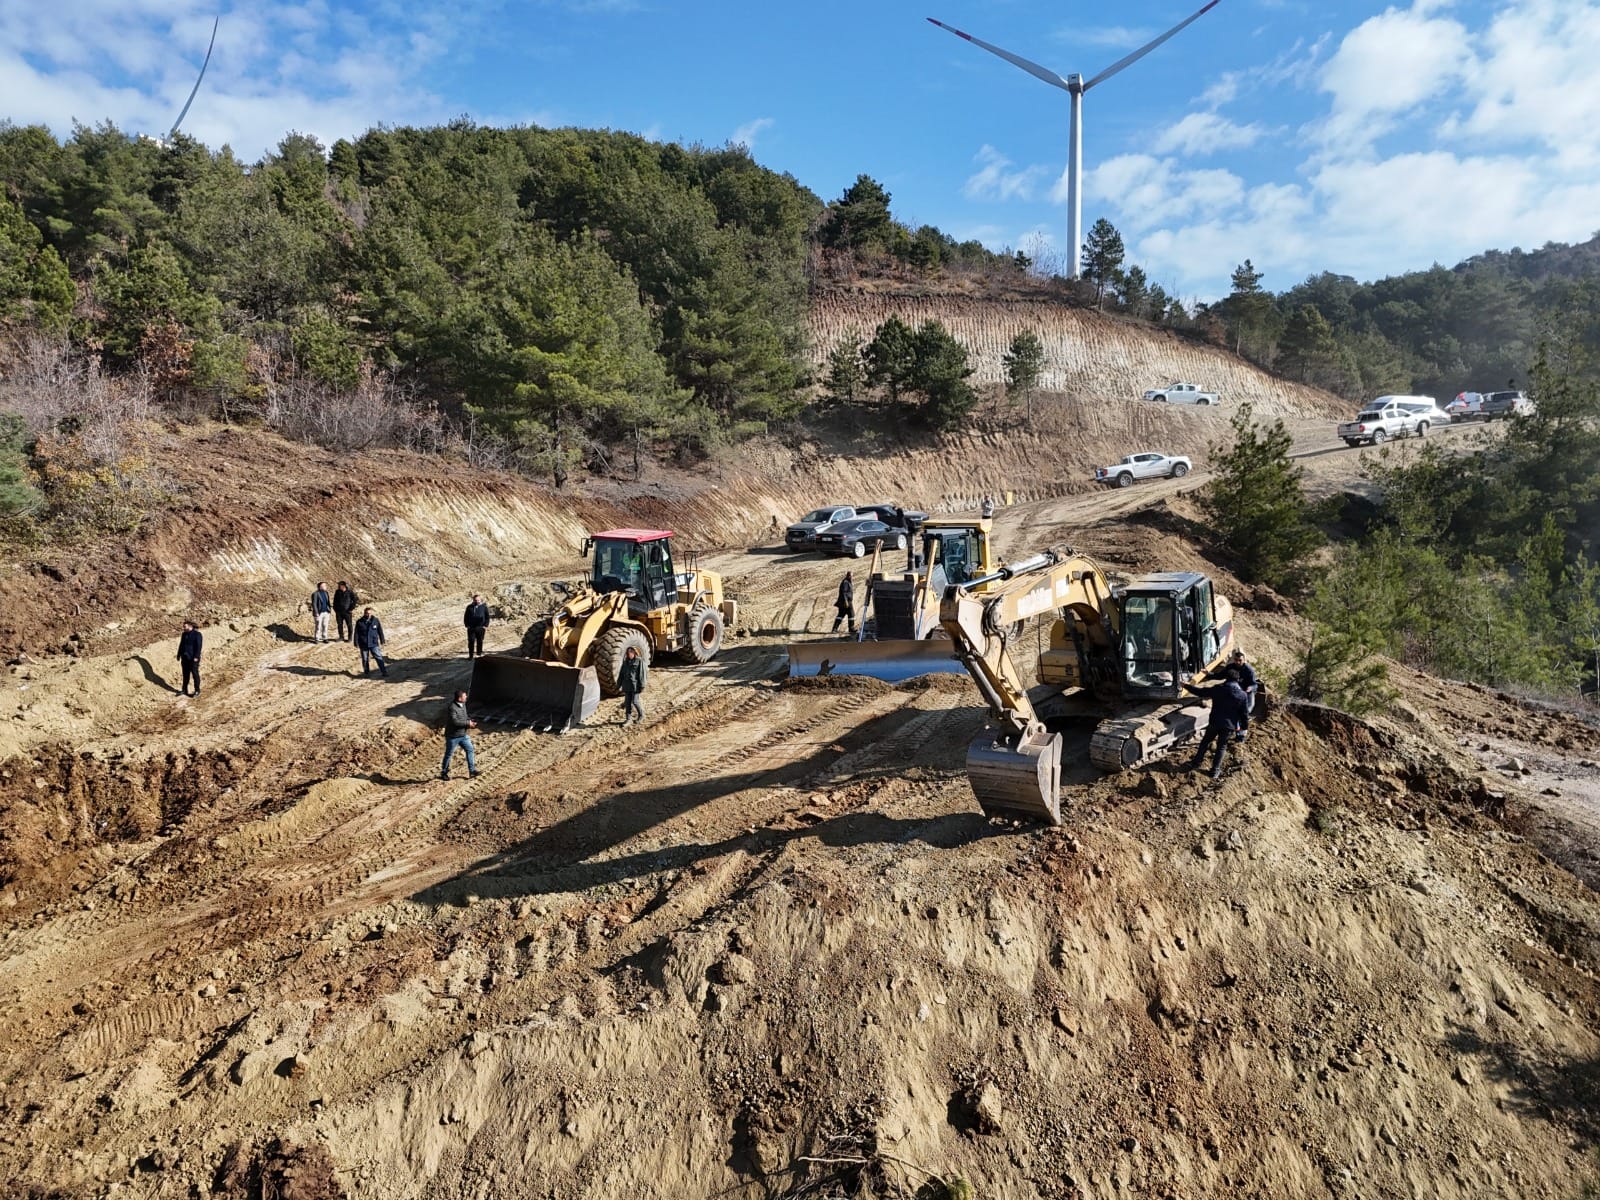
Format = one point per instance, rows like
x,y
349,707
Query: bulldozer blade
x,y
1023,778
891,661
533,694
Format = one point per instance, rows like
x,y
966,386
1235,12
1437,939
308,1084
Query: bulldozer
x,y
634,597
1124,651
901,636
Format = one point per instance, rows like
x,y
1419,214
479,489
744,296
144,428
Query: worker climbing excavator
x,y
903,638
1129,648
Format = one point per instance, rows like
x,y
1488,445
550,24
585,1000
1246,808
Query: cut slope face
x,y
1088,354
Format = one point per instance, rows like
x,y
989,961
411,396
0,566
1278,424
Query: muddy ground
x,y
765,944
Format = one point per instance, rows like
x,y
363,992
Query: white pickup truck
x,y
1379,423
1181,393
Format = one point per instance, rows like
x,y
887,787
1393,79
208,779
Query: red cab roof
x,y
635,535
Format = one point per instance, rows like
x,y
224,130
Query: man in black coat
x,y
1228,707
369,640
344,609
189,646
477,622
1250,684
845,604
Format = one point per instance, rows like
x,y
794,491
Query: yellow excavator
x,y
633,598
903,638
1129,648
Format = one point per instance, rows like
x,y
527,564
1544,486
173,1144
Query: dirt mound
x,y
863,684
278,1171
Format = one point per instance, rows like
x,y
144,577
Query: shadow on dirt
x,y
1564,1093
283,632
151,675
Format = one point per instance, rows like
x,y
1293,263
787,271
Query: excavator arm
x,y
1015,763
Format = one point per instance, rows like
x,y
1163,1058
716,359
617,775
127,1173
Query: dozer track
x,y
1121,743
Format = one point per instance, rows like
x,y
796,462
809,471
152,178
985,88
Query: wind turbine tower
x,y
1075,86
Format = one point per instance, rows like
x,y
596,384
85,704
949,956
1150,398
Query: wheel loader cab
x,y
1170,633
954,553
637,562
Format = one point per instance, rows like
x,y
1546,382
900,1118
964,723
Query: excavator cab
x,y
1170,633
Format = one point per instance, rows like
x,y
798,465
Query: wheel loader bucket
x,y
533,694
892,660
1017,780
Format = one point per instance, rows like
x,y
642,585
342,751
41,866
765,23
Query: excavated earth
x,y
765,944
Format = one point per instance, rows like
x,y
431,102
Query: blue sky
x,y
1357,137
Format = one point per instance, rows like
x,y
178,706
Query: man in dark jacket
x,y
369,640
189,644
344,608
845,604
1228,705
631,679
477,622
457,732
1248,681
321,606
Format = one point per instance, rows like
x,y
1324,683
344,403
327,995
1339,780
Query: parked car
x,y
1506,404
858,535
1143,466
1182,393
1377,423
802,534
1426,409
893,514
1465,406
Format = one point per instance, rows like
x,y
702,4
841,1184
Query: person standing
x,y
988,507
477,622
369,640
189,647
458,725
344,608
1228,703
1250,684
845,603
631,679
321,606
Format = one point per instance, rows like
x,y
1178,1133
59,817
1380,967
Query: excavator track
x,y
1132,740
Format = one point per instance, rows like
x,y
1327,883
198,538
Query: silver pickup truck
x,y
1380,423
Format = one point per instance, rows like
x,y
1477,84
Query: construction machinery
x,y
902,637
635,597
1128,648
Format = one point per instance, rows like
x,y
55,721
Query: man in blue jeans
x,y
457,727
369,640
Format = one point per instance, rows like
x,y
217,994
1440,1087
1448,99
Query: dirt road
x,y
768,935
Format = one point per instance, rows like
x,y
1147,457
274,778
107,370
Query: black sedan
x,y
856,537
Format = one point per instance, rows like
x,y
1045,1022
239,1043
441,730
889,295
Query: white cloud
x,y
997,179
1387,66
1206,133
1146,191
747,133
1115,37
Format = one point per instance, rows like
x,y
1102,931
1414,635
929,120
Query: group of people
x,y
1231,703
366,631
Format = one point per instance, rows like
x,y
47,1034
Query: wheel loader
x,y
902,637
634,597
1124,651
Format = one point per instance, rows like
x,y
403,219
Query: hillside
x,y
1089,355
765,944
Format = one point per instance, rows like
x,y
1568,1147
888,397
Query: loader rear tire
x,y
533,639
705,635
610,648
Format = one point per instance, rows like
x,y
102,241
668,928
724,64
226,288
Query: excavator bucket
x,y
892,660
1021,779
533,694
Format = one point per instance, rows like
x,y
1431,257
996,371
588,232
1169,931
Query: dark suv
x,y
1505,404
893,514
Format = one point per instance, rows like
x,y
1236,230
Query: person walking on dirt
x,y
321,606
189,646
1228,704
369,640
845,604
477,622
631,679
344,608
458,725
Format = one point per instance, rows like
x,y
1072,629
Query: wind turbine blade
x,y
1149,46
1032,68
171,133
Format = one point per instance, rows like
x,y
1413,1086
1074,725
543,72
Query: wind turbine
x,y
173,132
1075,86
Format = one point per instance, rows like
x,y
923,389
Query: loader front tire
x,y
610,648
533,639
705,635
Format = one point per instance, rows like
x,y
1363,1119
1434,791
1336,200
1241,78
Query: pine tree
x,y
1102,256
1024,364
